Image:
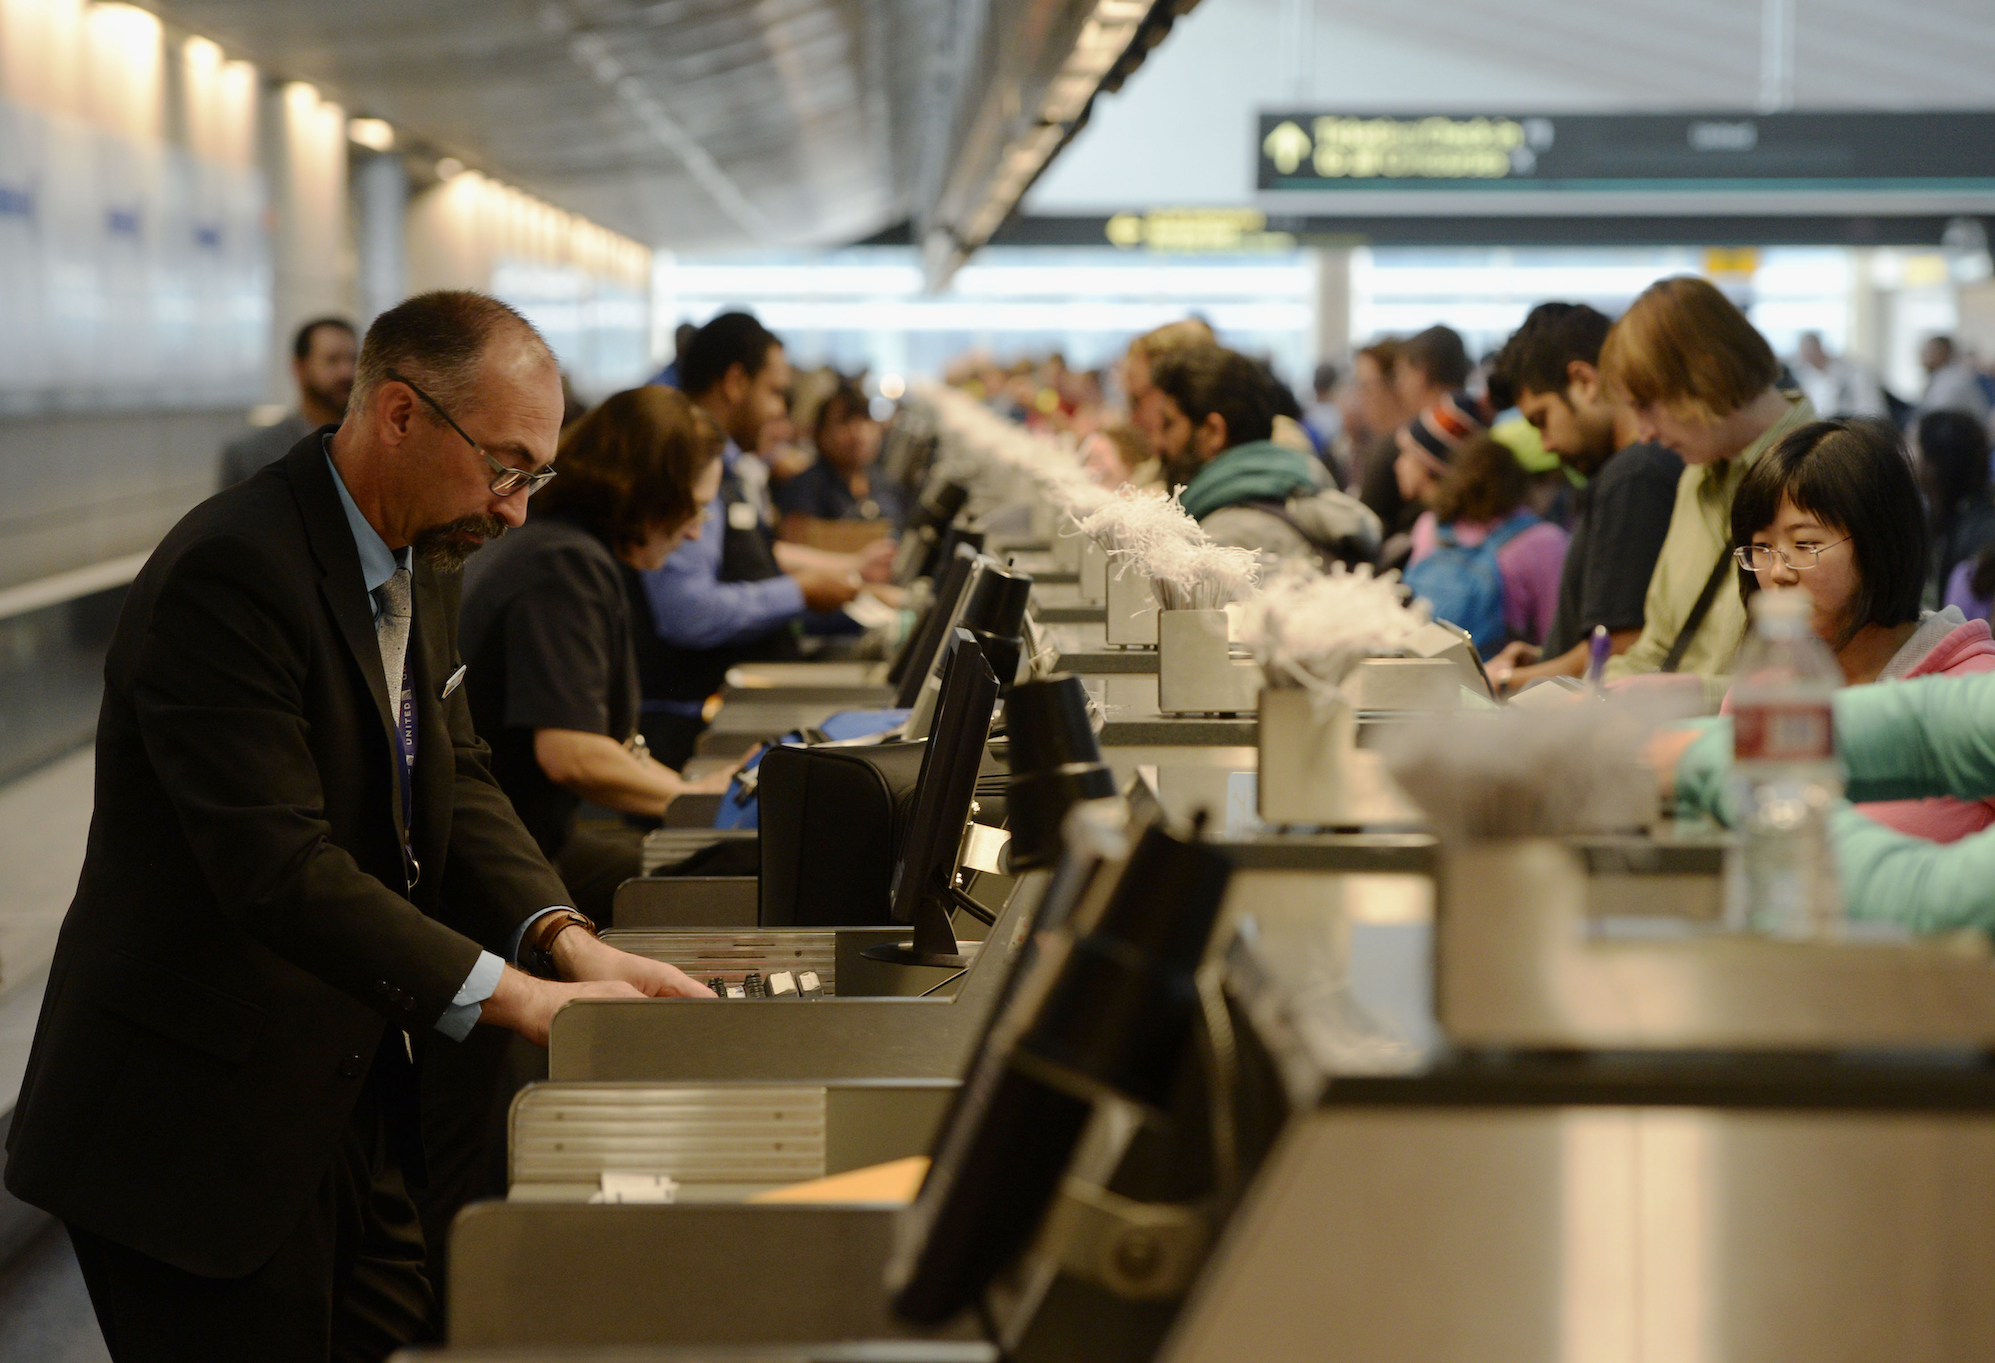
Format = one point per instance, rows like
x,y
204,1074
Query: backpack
x,y
1464,584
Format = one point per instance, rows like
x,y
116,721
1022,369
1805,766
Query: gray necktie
x,y
391,631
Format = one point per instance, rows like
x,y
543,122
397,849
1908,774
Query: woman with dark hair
x,y
546,632
1481,558
1950,450
1833,508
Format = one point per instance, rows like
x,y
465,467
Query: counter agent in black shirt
x,y
546,639
822,491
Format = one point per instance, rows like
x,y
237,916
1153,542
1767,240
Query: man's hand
x,y
582,957
826,589
527,1004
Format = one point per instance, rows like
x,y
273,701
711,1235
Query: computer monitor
x,y
912,665
924,540
924,881
1109,1009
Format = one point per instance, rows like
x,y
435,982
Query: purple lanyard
x,y
405,739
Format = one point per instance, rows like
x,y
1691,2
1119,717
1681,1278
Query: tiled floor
x,y
44,1315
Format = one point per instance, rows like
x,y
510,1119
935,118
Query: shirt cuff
x,y
462,1014
519,933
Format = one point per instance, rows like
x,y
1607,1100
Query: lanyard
x,y
405,739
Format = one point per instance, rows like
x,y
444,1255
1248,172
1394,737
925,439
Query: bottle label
x,y
1796,732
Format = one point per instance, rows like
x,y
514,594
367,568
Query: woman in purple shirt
x,y
1476,502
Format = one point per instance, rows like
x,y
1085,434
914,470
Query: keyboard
x,y
780,984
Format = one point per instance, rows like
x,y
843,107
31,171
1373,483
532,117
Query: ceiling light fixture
x,y
1111,33
375,134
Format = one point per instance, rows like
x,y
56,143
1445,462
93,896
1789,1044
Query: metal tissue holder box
x,y
1132,609
1092,566
1312,773
1520,963
1197,673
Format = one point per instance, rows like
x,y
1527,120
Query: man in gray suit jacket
x,y
300,871
322,359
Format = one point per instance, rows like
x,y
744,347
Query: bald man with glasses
x,y
302,882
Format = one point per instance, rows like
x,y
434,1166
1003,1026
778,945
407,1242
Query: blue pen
x,y
1599,650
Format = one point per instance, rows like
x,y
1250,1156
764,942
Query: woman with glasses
x,y
1834,508
546,633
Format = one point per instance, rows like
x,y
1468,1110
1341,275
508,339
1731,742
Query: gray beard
x,y
438,547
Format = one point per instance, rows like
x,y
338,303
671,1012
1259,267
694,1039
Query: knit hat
x,y
1443,429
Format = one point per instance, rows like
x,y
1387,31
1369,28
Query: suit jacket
x,y
241,935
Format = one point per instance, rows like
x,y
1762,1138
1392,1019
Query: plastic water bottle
x,y
1786,776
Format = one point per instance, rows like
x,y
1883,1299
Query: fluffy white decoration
x,y
1187,571
1308,628
993,456
1528,773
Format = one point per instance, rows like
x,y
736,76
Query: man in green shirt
x,y
1701,380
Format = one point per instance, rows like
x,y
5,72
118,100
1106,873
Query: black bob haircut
x,y
301,340
729,339
1535,357
1852,475
1205,379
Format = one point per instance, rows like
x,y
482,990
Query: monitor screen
x,y
948,779
917,657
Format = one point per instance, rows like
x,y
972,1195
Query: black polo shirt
x,y
1619,520
822,491
546,638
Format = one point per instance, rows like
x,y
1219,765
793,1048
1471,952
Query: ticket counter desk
x,y
1629,1135
804,1084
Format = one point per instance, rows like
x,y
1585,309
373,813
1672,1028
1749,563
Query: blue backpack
x,y
1464,583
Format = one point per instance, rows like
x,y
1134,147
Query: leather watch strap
x,y
537,947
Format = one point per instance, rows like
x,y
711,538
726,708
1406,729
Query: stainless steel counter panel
x,y
718,1141
1520,1235
1535,953
692,1275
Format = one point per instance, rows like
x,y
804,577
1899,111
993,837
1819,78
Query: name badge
x,y
741,516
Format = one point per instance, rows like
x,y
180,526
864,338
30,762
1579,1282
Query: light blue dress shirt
x,y
377,564
693,608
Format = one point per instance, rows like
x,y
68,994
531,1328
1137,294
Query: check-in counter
x,y
926,1036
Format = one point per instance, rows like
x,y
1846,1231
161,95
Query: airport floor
x,y
44,817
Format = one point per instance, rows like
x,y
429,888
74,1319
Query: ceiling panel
x,y
567,99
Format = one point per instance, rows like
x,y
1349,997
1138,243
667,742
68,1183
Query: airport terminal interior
x,y
1131,681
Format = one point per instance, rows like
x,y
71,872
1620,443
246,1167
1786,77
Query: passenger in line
x,y
1372,413
322,356
1833,508
1950,451
1145,353
732,593
1700,380
1481,558
1427,367
1835,384
295,881
1551,365
547,633
1953,384
1241,487
842,485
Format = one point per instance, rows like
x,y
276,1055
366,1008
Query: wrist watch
x,y
537,947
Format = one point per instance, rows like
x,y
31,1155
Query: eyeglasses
x,y
1759,558
506,480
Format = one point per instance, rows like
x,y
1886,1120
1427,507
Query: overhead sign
x,y
1346,151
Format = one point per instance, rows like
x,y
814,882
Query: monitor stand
x,y
934,941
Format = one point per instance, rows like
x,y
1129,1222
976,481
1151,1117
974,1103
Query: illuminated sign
x,y
1346,151
1193,230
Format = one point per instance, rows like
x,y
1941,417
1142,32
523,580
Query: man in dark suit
x,y
300,869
